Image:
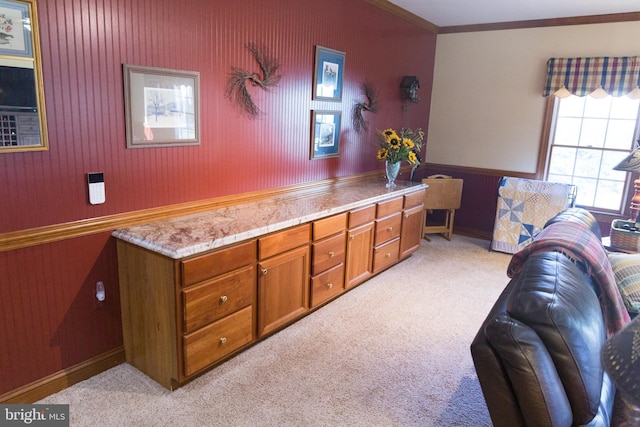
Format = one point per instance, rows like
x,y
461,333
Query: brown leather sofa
x,y
537,354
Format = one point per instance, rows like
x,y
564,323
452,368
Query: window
x,y
588,137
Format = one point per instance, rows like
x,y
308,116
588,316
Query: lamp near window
x,y
631,163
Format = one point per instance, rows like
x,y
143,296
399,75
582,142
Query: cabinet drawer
x,y
387,228
389,206
284,240
328,253
362,216
413,199
386,255
213,264
217,298
327,285
217,340
329,226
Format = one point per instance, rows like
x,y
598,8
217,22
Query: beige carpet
x,y
392,352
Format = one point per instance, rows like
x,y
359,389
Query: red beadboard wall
x,y
50,317
84,44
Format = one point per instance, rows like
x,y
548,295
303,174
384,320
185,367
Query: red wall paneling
x,y
50,318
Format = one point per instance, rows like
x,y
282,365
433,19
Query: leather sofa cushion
x,y
553,309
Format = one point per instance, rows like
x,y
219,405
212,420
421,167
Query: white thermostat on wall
x,y
96,187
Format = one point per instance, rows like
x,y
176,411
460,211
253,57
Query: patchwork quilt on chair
x,y
524,206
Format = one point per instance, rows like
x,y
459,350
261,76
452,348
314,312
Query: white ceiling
x,y
444,13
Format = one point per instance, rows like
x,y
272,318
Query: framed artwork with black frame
x,y
162,107
325,134
327,78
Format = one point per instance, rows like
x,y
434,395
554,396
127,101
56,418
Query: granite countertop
x,y
192,234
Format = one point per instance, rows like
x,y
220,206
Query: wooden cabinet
x,y
412,223
182,316
218,317
360,246
328,258
217,305
283,284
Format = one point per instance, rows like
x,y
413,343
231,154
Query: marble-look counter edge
x,y
131,235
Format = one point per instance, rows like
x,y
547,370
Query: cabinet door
x,y
359,255
411,233
283,289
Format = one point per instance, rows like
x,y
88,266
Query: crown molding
x,y
537,23
387,6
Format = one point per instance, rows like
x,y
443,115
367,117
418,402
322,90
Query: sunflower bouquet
x,y
396,147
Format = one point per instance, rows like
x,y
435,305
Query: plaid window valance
x,y
605,75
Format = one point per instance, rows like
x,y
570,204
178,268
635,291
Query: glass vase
x,y
392,169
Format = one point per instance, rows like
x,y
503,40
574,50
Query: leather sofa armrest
x,y
498,393
531,371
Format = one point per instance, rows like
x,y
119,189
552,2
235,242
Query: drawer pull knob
x,y
352,237
329,285
406,215
388,255
331,254
390,228
223,340
264,271
223,298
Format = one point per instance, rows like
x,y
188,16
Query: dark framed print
x,y
15,28
327,78
325,134
162,107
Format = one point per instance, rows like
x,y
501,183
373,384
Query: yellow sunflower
x,y
412,158
400,146
389,134
394,142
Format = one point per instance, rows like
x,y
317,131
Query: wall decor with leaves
x,y
369,91
236,89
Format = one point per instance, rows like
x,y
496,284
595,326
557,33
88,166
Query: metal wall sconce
x,y
409,89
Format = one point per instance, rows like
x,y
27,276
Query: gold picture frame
x,y
23,124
